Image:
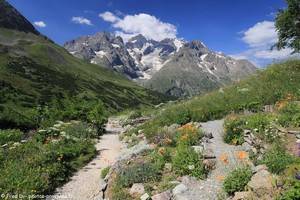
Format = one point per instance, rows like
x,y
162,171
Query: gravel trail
x,y
85,184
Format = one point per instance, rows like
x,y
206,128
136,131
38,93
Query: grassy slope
x,y
266,87
34,70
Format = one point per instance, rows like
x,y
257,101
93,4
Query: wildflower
x,y
191,167
242,155
224,158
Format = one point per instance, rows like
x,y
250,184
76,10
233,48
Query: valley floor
x,y
85,183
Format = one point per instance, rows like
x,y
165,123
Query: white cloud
x,y
82,20
260,38
109,17
145,24
273,54
261,34
40,24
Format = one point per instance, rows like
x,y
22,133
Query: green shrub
x,y
37,168
233,131
237,180
138,173
187,162
135,114
10,135
290,115
276,159
104,172
189,135
80,130
292,193
161,156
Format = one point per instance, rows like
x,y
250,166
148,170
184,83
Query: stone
x,y
103,186
246,146
249,141
4,145
145,196
209,164
198,149
208,154
23,141
242,195
259,168
168,167
261,183
137,189
167,195
140,132
247,132
298,136
179,189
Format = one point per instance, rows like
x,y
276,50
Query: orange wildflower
x,y
220,178
242,155
224,158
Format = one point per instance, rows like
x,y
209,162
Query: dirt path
x,y
85,184
226,160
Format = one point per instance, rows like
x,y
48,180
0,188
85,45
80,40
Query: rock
x,y
174,182
137,189
208,154
254,150
179,189
261,183
259,168
198,149
249,141
208,135
298,136
247,132
145,196
242,195
4,145
168,167
297,176
209,164
172,128
140,132
23,141
246,146
167,195
103,186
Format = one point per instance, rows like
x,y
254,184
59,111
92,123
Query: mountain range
x,y
171,66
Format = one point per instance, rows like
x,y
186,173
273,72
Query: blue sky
x,y
241,28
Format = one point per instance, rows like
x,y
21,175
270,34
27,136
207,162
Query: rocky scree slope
x,y
171,66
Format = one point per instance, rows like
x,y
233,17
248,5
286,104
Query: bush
x,y
97,116
237,180
36,168
276,159
80,130
233,131
189,135
290,115
187,162
104,172
10,135
138,173
292,193
160,156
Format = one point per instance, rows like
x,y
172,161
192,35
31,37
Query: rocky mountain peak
x,y
11,18
190,67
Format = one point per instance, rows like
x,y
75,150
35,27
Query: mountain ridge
x,y
150,62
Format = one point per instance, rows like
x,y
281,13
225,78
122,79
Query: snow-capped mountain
x,y
171,66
